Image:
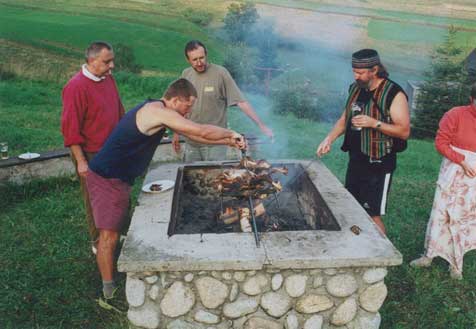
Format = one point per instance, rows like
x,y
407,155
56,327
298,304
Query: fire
x,y
251,182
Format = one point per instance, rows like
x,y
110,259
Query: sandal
x,y
106,304
455,273
423,261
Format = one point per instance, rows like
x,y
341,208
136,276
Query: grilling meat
x,y
156,187
258,165
251,178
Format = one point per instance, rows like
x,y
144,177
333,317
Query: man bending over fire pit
x,y
376,124
126,155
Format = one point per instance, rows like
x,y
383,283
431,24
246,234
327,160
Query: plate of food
x,y
29,156
158,186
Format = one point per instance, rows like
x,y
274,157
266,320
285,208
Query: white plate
x,y
164,184
29,156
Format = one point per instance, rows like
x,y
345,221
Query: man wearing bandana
x,y
376,122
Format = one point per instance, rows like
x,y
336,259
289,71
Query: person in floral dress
x,y
451,230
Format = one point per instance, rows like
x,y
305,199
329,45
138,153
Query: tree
x,y
446,85
266,40
239,20
240,62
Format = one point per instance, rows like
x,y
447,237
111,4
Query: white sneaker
x,y
94,247
423,261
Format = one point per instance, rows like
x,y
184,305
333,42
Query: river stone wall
x,y
267,299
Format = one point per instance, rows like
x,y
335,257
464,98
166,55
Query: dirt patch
x,y
331,30
340,16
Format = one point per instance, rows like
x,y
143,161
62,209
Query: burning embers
x,y
218,198
249,183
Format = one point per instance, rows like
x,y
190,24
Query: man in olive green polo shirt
x,y
216,91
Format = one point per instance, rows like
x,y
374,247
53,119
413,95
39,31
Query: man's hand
x,y
470,172
267,131
176,142
324,147
364,121
82,168
238,140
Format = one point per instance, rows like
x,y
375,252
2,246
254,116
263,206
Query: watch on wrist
x,y
378,125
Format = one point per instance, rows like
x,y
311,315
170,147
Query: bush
x,y
125,59
6,74
301,98
200,17
297,98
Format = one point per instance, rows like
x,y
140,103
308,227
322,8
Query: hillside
x,y
64,28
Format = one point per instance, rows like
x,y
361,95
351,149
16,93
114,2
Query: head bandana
x,y
365,59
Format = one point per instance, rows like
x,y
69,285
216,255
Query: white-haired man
x,y
91,109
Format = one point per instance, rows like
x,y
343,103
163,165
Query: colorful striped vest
x,y
372,142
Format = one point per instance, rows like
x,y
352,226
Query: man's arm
x,y
448,127
72,118
203,133
176,141
339,129
251,113
82,162
400,126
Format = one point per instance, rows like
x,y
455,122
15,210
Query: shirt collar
x,y
91,76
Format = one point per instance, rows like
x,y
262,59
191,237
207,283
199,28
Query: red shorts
x,y
109,198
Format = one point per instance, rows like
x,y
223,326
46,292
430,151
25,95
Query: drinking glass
x,y
4,150
356,109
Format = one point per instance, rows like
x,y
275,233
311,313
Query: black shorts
x,y
369,184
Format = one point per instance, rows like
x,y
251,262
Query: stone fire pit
x,y
296,279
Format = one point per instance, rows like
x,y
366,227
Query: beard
x,y
363,84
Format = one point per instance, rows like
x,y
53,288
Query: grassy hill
x,y
65,33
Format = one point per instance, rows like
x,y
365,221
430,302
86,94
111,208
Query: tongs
x,y
244,157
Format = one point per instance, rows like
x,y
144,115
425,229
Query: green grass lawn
x,y
49,276
50,279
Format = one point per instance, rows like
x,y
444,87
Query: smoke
x,y
315,48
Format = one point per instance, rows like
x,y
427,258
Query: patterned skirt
x,y
451,230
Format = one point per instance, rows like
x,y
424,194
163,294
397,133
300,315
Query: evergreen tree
x,y
446,85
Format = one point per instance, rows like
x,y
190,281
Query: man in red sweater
x,y
91,109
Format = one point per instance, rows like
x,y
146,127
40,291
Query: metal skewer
x,y
291,181
255,228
